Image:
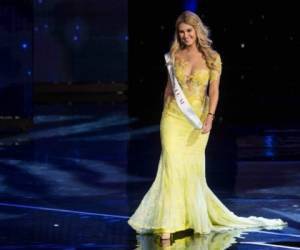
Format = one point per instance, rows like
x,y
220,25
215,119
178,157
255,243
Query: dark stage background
x,y
86,42
259,47
80,41
60,51
16,19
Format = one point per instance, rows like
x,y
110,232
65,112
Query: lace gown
x,y
179,197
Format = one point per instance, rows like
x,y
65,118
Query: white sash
x,y
180,98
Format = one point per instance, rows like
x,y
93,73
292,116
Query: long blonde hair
x,y
203,41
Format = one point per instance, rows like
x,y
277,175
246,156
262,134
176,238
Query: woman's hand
x,y
207,124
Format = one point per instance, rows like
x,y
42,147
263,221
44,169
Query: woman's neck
x,y
191,49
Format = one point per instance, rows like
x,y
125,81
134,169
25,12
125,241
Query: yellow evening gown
x,y
179,197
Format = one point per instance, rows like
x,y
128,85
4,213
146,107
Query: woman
x,y
179,197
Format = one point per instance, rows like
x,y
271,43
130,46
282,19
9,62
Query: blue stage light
x,y
24,45
269,145
62,210
191,5
269,141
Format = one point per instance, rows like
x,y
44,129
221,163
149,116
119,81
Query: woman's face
x,y
187,34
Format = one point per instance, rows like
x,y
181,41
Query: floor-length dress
x,y
179,197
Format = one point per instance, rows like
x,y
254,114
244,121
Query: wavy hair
x,y
203,42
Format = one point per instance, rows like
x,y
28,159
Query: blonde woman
x,y
179,197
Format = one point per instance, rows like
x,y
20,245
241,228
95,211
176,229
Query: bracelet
x,y
213,115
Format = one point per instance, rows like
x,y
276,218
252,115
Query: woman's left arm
x,y
213,95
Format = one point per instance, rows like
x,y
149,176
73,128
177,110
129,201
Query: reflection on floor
x,y
72,182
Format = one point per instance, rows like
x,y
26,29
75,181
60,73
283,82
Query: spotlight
x,y
24,45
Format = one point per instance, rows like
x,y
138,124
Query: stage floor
x,y
73,180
